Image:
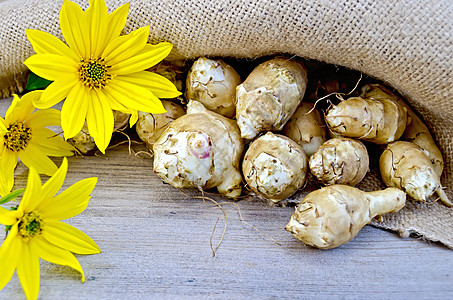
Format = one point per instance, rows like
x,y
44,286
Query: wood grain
x,y
156,244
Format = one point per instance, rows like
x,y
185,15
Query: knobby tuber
x,y
406,166
332,216
380,121
416,131
306,127
149,126
83,141
269,96
274,166
340,161
200,149
213,83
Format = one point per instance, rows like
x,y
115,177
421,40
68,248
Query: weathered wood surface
x,y
156,244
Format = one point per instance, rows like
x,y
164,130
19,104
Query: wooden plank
x,y
156,243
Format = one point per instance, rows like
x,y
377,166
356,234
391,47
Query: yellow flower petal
x,y
145,58
6,186
133,119
69,238
11,108
28,271
21,108
57,91
53,185
160,86
9,217
51,144
114,104
10,252
134,96
73,25
100,121
125,46
43,118
32,157
116,22
70,202
3,128
51,66
97,15
44,42
8,162
74,110
56,255
32,194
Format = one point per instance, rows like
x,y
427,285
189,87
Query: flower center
x,y
17,137
94,73
30,225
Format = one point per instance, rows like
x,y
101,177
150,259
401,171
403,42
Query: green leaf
x,y
35,82
11,196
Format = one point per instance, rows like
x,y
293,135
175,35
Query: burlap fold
x,y
407,44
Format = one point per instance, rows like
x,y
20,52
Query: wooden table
x,y
156,244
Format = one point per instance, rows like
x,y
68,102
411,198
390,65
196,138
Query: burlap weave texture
x,y
408,44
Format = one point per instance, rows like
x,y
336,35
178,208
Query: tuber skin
x,y
306,127
83,141
406,166
380,121
340,161
269,96
275,167
332,216
150,127
416,131
213,83
201,149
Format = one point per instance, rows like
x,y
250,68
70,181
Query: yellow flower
x,y
37,232
98,70
23,134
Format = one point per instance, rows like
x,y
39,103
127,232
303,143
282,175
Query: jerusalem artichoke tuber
x,y
332,216
269,96
274,166
83,141
306,127
416,131
380,121
406,166
340,161
200,149
213,83
149,126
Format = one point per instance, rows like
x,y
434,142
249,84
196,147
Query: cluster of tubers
x,y
261,134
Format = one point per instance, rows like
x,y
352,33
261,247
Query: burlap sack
x,y
408,44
